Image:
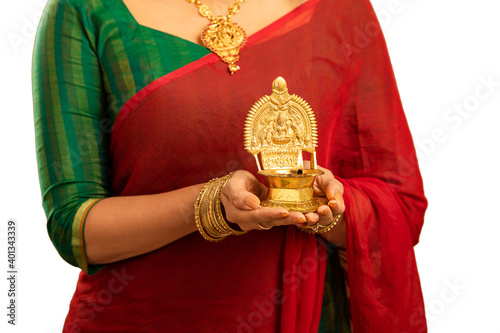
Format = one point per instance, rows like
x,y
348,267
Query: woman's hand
x,y
243,193
329,192
241,198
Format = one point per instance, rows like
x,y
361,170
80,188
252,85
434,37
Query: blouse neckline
x,y
251,39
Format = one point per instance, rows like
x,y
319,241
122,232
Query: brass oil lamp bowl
x,y
280,127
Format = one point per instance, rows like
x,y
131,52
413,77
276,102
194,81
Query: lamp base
x,y
292,190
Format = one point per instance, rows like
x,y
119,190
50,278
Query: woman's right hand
x,y
241,198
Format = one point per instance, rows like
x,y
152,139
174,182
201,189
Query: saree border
x,y
78,237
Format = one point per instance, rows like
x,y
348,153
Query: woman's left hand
x,y
329,192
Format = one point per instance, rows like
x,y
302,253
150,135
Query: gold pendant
x,y
225,39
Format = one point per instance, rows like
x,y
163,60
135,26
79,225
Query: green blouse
x,y
90,58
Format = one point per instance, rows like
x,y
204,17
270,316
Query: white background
x,y
441,52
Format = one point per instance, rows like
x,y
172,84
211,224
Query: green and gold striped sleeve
x,y
71,147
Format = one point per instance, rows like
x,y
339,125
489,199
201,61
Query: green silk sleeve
x,y
71,127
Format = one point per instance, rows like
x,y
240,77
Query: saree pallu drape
x,y
187,127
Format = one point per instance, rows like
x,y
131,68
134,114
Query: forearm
x,y
122,227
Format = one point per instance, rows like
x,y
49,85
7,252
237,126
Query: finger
x,y
264,220
325,215
244,191
327,185
312,218
249,219
333,189
337,195
318,192
293,218
243,200
297,218
322,200
238,193
337,206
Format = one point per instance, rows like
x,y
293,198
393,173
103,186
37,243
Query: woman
x,y
133,116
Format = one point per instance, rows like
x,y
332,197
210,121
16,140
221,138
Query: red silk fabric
x,y
187,128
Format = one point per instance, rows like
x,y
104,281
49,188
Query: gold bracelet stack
x,y
318,228
208,212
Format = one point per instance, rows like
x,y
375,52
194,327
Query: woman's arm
x,y
122,227
117,228
71,143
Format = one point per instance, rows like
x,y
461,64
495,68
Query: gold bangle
x,y
215,209
208,212
211,224
223,224
200,212
319,229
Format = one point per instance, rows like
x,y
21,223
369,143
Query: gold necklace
x,y
222,36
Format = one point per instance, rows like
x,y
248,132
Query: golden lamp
x,y
280,127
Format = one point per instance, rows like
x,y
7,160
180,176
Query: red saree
x,y
187,127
